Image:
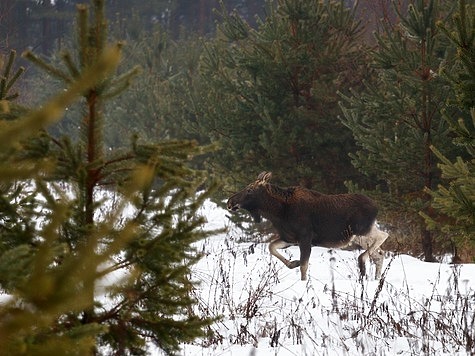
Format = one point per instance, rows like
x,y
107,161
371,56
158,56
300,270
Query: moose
x,y
308,218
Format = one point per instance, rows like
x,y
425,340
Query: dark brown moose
x,y
308,218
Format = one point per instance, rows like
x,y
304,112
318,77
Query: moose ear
x,y
261,176
264,177
267,176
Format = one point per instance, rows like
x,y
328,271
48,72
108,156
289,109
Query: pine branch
x,y
13,132
73,70
6,82
119,84
83,31
15,77
52,70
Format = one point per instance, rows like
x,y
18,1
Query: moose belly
x,y
332,240
290,235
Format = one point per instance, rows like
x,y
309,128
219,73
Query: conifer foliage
x,y
397,117
455,198
269,95
7,81
95,244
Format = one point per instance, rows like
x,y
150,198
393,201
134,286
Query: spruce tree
x,y
86,214
397,117
269,95
455,197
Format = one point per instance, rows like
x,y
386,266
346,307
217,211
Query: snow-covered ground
x,y
417,308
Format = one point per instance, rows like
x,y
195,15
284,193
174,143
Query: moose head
x,y
250,197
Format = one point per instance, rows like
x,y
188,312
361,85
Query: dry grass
x,y
361,320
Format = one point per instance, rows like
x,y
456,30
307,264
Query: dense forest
x,y
45,25
163,104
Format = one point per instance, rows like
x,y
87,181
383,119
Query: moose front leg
x,y
280,244
305,250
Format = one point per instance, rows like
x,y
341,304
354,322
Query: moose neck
x,y
272,204
282,194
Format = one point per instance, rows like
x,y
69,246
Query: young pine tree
x,y
40,282
455,198
397,117
269,95
94,215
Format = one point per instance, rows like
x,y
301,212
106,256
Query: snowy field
x,y
416,308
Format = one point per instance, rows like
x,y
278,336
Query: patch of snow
x,y
267,310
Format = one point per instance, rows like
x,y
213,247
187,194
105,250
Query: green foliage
x,y
157,105
397,117
8,109
8,80
76,215
43,282
455,198
268,96
462,35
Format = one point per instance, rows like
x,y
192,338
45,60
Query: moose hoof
x,y
293,264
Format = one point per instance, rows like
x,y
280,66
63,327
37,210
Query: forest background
x,y
377,99
301,123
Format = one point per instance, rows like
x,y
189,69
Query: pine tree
x,y
397,117
456,199
9,110
42,282
157,106
269,95
85,213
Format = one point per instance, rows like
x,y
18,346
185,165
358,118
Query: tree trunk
x,y
428,173
427,245
427,120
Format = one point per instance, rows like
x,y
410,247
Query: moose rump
x,y
336,218
308,218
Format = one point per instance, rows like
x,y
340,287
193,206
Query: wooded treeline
x,y
302,89
43,25
145,101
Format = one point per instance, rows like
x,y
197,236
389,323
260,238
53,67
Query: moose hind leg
x,y
375,239
280,244
377,258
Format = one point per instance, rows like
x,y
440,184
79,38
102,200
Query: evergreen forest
x,y
118,121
